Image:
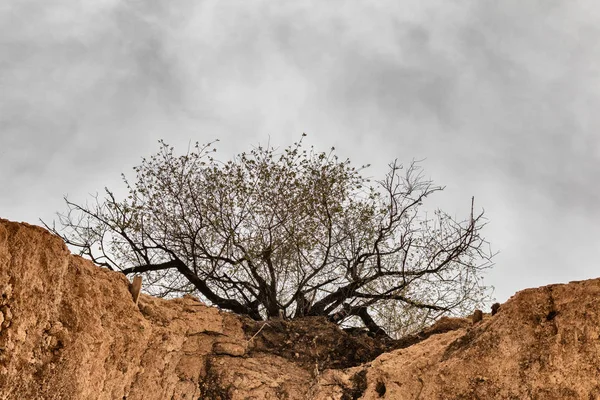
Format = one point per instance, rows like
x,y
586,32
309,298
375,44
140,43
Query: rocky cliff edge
x,y
71,330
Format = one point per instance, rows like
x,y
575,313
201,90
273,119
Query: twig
x,y
261,328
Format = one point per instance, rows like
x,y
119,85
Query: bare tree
x,y
293,233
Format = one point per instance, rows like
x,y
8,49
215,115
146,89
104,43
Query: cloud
x,y
500,97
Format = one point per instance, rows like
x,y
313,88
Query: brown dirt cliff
x,y
71,330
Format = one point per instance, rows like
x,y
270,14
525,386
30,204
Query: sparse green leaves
x,y
294,230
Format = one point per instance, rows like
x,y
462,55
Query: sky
x,y
500,99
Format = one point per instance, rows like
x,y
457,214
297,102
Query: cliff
x,y
71,330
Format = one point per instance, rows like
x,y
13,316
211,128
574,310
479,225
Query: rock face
x,y
542,344
71,330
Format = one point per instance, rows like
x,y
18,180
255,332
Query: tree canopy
x,y
289,233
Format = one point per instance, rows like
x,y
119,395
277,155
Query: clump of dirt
x,y
314,342
443,325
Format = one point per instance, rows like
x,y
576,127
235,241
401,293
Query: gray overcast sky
x,y
502,98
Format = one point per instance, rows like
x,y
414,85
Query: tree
x,y
285,234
